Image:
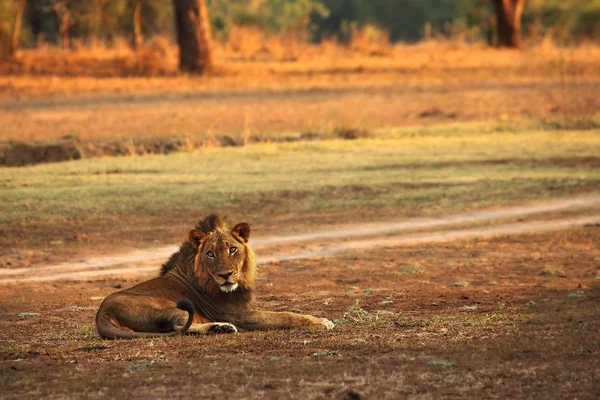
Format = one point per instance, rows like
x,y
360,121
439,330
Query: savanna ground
x,y
435,133
505,317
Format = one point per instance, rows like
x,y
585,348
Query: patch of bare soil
x,y
514,316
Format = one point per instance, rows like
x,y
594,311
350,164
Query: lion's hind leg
x,y
212,328
172,319
123,316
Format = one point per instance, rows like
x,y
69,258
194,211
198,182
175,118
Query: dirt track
x,y
332,242
127,100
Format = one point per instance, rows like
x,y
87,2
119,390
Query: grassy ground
x,y
401,172
53,71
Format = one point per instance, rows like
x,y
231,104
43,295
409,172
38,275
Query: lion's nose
x,y
226,275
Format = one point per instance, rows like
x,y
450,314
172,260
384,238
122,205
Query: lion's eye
x,y
210,254
232,250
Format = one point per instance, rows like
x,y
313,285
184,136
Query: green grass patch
x,y
411,172
440,363
137,367
326,353
29,314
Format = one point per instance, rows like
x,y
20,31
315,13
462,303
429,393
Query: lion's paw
x,y
222,327
326,323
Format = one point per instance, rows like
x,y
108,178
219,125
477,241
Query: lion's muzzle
x,y
228,287
225,281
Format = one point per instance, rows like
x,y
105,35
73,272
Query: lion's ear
x,y
242,230
196,237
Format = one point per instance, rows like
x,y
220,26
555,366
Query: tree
x,y
64,17
14,42
194,36
138,38
508,22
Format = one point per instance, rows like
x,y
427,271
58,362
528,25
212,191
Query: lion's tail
x,y
186,305
108,331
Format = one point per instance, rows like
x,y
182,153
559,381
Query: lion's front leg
x,y
264,320
212,328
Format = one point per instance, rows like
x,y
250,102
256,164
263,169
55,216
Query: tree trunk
x,y
63,14
14,42
193,35
508,22
98,22
138,38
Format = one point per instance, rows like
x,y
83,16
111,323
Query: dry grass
x,y
250,61
263,114
283,85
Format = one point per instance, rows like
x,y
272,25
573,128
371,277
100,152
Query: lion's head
x,y
225,257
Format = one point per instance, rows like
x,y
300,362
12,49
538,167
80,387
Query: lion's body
x,y
206,286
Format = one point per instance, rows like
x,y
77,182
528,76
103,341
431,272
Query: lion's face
x,y
221,255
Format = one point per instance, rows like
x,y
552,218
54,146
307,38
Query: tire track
x,y
145,261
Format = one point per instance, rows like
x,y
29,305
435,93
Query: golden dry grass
x,y
267,115
265,91
287,63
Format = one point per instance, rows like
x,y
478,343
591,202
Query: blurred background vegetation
x,y
90,21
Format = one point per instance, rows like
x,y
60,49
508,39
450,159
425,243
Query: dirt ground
x,y
514,316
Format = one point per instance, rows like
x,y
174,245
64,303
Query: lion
x,y
206,287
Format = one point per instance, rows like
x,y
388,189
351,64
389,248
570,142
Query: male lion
x,y
205,287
